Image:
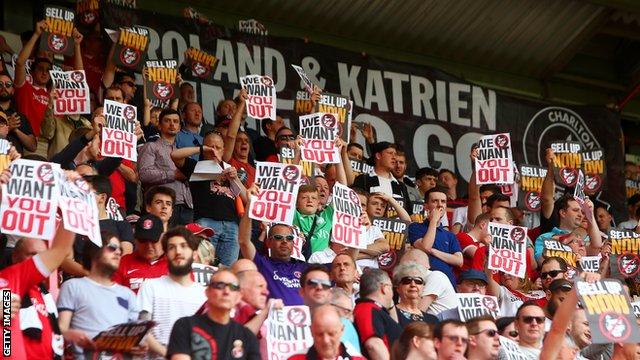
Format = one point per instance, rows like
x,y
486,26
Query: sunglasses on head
x,y
286,137
552,274
409,279
279,237
112,247
326,284
531,319
6,84
490,332
220,285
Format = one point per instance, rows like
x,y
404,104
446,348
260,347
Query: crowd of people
x,y
157,226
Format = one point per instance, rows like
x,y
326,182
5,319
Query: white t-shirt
x,y
438,284
509,303
459,216
168,301
373,233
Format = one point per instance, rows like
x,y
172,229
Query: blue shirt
x,y
350,335
539,246
445,241
186,138
283,278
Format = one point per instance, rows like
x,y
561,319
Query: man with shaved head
x,y
253,308
243,265
326,330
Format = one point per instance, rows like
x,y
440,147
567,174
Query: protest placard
x,y
395,231
122,338
261,92
608,311
298,243
5,159
594,169
30,200
88,11
131,47
566,162
417,211
276,199
531,179
580,196
507,252
342,107
474,305
360,167
252,26
387,261
79,208
624,266
494,163
72,90
288,331
391,211
160,81
319,132
202,273
200,64
287,155
304,78
552,247
632,187
636,308
510,349
624,241
118,132
347,228
58,37
590,263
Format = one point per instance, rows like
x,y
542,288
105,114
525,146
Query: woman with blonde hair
x,y
415,343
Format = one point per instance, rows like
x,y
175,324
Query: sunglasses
x,y
409,279
490,332
580,242
456,339
326,284
6,84
531,319
220,285
513,333
130,83
113,247
286,137
279,237
552,274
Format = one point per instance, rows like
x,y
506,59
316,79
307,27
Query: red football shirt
x,y
134,270
32,101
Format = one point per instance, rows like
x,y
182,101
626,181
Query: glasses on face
x,y
579,242
342,308
411,279
326,284
111,247
552,274
6,84
279,237
490,332
220,285
531,319
456,339
130,83
286,137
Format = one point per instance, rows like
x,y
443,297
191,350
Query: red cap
x,y
196,229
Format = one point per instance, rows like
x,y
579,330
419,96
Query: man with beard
x,y
189,135
84,302
556,293
170,297
20,133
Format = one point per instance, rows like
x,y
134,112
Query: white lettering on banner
x,y
288,332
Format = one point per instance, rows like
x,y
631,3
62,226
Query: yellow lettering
x,y
531,183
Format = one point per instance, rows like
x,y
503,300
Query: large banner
x,y
434,116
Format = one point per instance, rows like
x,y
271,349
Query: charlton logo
x,y
502,141
266,81
77,76
568,176
200,70
517,234
592,183
129,57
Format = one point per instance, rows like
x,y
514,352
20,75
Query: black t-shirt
x,y
202,338
210,199
25,127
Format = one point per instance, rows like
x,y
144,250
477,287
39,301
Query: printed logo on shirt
x,y
203,345
123,302
290,283
237,351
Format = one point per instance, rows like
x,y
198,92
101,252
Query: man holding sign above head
x,y
282,272
441,245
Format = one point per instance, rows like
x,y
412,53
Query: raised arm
x,y
548,187
110,69
23,56
402,212
247,249
77,50
234,126
475,204
341,175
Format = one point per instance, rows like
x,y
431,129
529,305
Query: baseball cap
x,y
149,227
472,275
197,229
560,284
